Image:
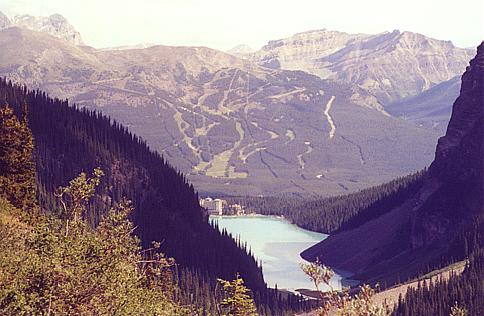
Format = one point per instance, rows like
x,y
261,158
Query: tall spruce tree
x,y
17,169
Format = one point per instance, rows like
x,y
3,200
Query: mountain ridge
x,y
374,62
439,223
431,108
223,120
55,25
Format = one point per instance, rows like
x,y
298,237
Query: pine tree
x,y
17,170
236,301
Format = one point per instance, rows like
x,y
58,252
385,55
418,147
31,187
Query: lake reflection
x,y
277,243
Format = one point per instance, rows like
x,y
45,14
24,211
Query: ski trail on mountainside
x,y
330,119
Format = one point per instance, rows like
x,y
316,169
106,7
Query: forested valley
x,y
332,214
68,141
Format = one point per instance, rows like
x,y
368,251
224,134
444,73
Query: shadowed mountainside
x,y
437,225
431,108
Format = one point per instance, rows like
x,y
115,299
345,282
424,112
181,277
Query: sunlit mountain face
x,y
231,125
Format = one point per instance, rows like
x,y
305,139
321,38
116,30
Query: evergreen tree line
x,y
54,263
69,140
437,298
17,171
338,213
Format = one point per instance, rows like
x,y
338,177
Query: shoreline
x,y
346,276
252,215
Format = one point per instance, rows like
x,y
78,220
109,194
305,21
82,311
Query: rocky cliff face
x,y
430,225
301,51
459,155
390,65
458,165
55,25
4,21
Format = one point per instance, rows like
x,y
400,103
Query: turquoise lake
x,y
277,244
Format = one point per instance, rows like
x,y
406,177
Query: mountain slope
x,y
389,65
230,125
431,108
442,221
68,141
241,51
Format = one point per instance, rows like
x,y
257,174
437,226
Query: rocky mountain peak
x,y
316,43
58,20
4,21
55,25
241,50
390,65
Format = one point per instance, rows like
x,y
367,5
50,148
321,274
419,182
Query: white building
x,y
213,206
236,209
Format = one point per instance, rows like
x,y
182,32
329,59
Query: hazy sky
x,y
223,24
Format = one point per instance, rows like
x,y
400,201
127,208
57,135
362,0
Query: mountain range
x,y
300,128
247,125
390,65
440,223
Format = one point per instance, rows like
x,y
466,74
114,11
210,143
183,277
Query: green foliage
x,y
456,310
77,195
101,271
236,300
17,170
341,303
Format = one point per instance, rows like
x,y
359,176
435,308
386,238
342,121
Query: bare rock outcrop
x,y
55,25
390,65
